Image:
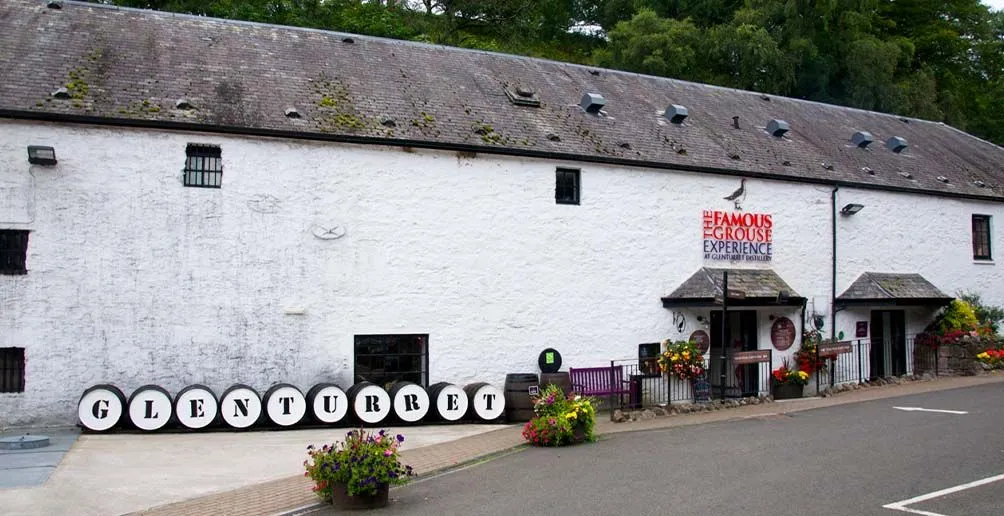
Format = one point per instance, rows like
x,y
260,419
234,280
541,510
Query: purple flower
x,y
382,432
400,438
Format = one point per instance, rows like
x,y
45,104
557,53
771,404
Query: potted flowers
x,y
787,383
560,420
357,473
681,359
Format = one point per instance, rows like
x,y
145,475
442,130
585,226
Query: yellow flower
x,y
675,357
686,355
803,375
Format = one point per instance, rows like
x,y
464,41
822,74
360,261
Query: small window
x,y
203,165
11,369
384,359
13,251
981,237
566,186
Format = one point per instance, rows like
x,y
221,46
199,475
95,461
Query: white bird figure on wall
x,y
739,195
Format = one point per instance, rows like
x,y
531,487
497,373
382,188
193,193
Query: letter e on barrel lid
x,y
196,407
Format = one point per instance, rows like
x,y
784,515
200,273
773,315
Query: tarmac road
x,y
844,460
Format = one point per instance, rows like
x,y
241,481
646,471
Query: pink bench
x,y
598,381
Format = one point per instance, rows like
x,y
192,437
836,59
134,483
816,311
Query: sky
x,y
996,5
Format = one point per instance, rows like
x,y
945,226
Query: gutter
x,y
461,147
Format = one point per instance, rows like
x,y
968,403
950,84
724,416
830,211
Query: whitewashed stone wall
x,y
135,279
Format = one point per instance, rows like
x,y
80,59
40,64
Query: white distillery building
x,y
189,200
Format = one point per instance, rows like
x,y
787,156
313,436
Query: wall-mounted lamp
x,y
39,155
851,209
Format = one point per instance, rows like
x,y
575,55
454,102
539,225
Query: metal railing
x,y
861,364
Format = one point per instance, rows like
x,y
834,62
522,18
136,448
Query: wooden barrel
x,y
370,403
240,406
196,407
409,401
328,403
285,405
518,407
150,408
484,402
101,407
561,379
449,402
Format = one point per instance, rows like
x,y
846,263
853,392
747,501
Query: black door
x,y
888,343
742,336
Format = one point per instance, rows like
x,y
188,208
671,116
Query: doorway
x,y
888,343
742,336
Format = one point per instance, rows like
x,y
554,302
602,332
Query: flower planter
x,y
341,498
787,391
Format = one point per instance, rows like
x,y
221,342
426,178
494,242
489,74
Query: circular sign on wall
x,y
240,406
782,333
701,341
196,406
150,407
285,404
101,407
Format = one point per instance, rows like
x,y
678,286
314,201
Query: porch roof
x,y
747,287
881,288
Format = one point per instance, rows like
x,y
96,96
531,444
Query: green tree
x,y
653,45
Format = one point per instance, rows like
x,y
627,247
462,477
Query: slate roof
x,y
127,66
758,285
896,288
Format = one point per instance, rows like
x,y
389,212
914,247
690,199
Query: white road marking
x,y
902,506
916,409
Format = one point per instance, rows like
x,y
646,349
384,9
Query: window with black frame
x,y
384,359
981,237
203,165
566,186
648,358
11,369
13,251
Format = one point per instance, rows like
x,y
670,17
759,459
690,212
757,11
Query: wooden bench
x,y
598,381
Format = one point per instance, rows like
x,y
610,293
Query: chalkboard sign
x,y
702,389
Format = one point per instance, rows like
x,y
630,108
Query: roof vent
x,y
943,179
387,121
896,144
625,145
735,156
868,171
184,104
523,96
862,139
592,102
291,112
778,127
765,98
827,166
980,184
553,137
735,122
676,113
594,72
786,163
54,4
61,93
906,175
348,40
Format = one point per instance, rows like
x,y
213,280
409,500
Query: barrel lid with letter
x,y
101,407
196,407
150,408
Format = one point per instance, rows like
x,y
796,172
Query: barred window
x,y
203,165
13,251
981,237
11,369
384,359
566,186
